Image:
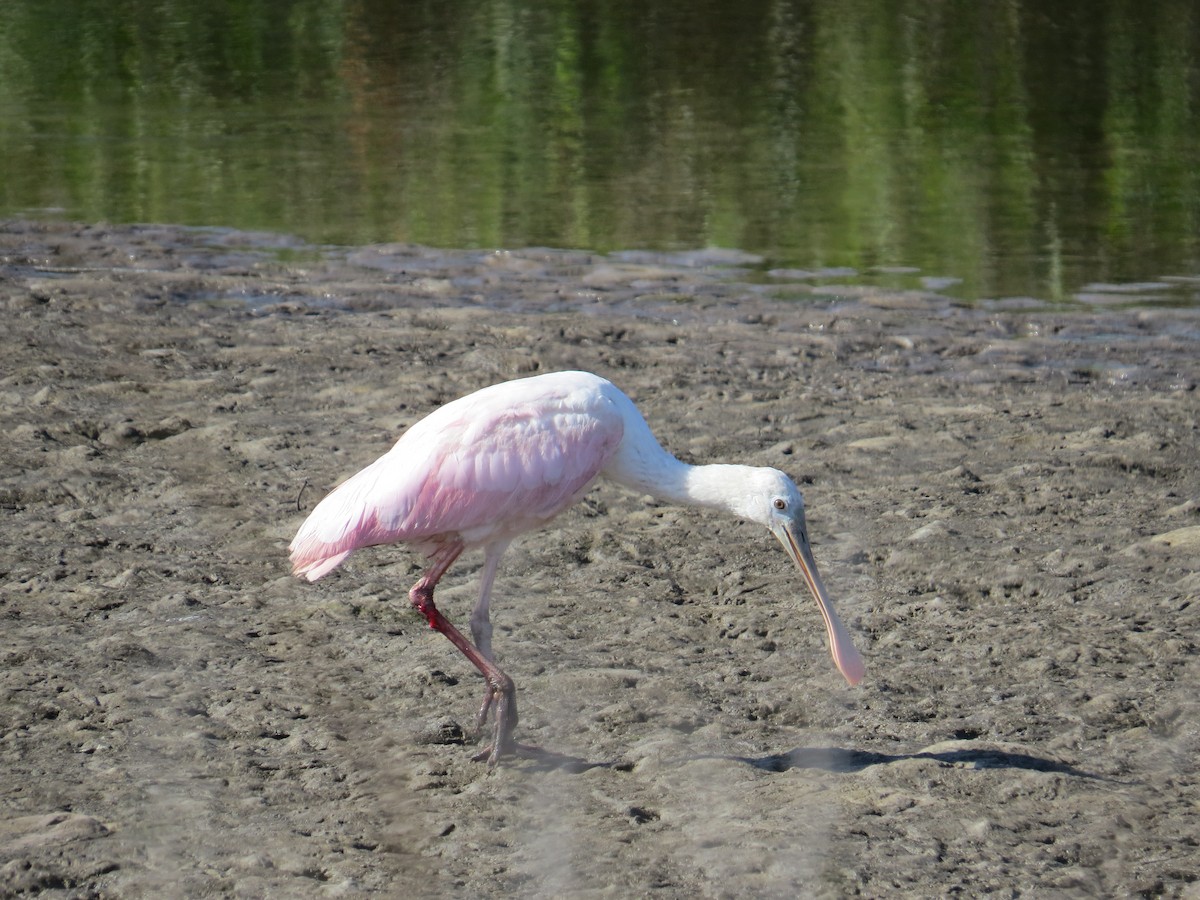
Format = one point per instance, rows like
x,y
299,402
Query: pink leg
x,y
502,691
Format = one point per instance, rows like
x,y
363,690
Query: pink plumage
x,y
507,459
487,467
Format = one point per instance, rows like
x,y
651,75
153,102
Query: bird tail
x,y
311,560
339,525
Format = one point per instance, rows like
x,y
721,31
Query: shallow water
x,y
272,274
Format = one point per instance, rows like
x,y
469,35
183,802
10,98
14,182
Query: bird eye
x,y
780,503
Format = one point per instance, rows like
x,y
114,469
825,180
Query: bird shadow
x,y
539,759
830,759
838,759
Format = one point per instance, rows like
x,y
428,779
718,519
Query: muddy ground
x,y
1003,500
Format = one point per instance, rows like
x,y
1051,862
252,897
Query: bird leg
x,y
481,624
501,689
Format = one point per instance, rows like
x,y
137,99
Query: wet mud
x,y
1003,500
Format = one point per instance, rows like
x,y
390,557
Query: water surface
x,y
1008,150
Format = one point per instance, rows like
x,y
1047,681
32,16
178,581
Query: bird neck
x,y
716,487
650,469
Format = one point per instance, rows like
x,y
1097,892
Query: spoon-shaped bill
x,y
841,648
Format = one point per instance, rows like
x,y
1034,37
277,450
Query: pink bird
x,y
488,467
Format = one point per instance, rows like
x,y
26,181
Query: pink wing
x,y
465,471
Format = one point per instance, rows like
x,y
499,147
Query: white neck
x,y
646,467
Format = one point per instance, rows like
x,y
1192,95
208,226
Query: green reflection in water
x,y
1025,148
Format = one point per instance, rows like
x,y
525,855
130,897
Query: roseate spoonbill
x,y
507,459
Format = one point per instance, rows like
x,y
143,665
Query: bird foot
x,y
502,696
511,748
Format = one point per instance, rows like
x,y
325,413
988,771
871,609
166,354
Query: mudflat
x,y
1004,501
